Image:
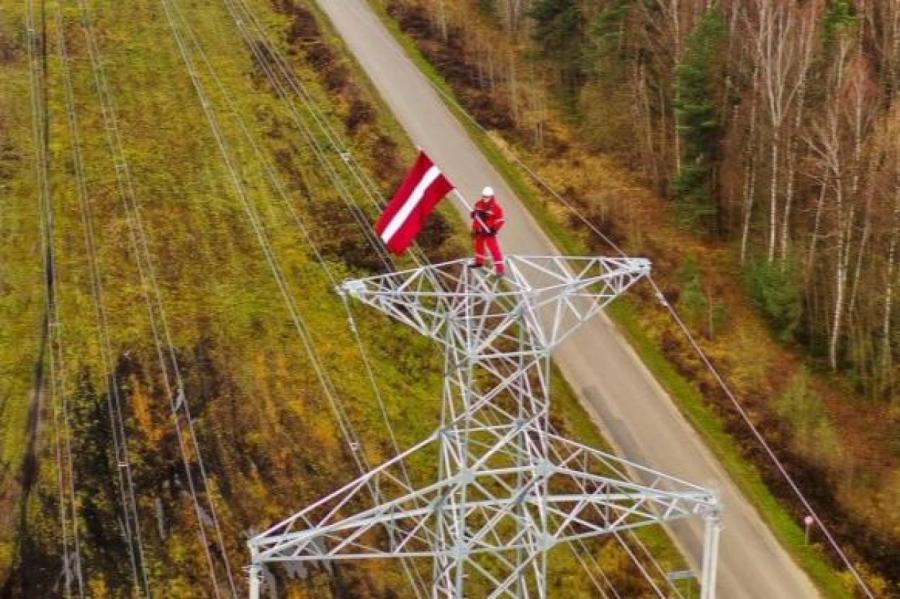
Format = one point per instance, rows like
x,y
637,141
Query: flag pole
x,y
462,199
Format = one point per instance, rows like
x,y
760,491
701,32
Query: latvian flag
x,y
405,215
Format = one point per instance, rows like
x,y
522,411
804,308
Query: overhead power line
x,y
173,383
52,321
121,458
720,380
187,45
287,85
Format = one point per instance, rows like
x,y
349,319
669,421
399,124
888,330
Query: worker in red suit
x,y
487,220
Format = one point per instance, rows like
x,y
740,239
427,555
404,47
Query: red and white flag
x,y
405,215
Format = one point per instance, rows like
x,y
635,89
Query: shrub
x,y
802,409
692,302
775,292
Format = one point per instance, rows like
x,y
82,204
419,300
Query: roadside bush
x,y
692,302
699,308
803,410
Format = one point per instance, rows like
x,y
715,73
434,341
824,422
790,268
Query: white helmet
x,y
487,192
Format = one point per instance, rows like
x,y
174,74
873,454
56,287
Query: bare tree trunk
x,y
513,14
442,17
837,319
480,66
491,72
788,202
840,278
646,119
750,169
817,222
729,53
676,59
513,91
791,146
859,99
782,40
536,102
886,349
773,195
749,196
860,256
664,146
893,61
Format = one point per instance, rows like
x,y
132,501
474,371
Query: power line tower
x,y
509,488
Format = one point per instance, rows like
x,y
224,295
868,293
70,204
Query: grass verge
x,y
625,315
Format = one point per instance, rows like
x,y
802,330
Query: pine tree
x,y
559,29
698,121
838,17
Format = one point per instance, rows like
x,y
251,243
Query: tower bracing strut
x,y
508,488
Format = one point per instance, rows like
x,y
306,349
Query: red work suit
x,y
487,220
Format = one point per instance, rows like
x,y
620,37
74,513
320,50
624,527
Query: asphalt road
x,y
629,406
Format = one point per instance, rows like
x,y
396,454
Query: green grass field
x,y
264,427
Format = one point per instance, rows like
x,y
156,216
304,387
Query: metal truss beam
x,y
508,488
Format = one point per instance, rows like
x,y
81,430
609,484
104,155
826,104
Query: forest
x,y
176,371
751,148
773,125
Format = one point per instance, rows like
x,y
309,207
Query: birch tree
x,y
782,42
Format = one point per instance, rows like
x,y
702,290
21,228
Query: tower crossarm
x,y
386,479
580,492
506,487
551,295
408,526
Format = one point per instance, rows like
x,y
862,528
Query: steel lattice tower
x,y
508,487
